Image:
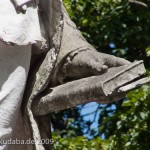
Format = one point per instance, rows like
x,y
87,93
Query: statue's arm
x,y
78,60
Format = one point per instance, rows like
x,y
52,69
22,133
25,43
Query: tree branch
x,y
138,4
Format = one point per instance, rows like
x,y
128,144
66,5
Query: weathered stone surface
x,y
66,48
102,89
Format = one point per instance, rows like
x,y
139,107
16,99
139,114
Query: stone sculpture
x,y
65,69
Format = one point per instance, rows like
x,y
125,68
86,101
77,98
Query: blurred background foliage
x,y
120,28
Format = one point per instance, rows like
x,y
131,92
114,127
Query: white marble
x,y
14,66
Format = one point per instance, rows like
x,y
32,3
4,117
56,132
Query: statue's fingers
x,y
88,69
113,61
97,68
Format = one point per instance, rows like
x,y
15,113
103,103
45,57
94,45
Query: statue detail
x,y
64,70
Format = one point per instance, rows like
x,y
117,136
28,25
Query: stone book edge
x,y
122,75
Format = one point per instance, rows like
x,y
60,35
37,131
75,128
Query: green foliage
x,y
119,28
133,120
78,143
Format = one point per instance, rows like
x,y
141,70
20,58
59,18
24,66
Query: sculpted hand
x,y
90,63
